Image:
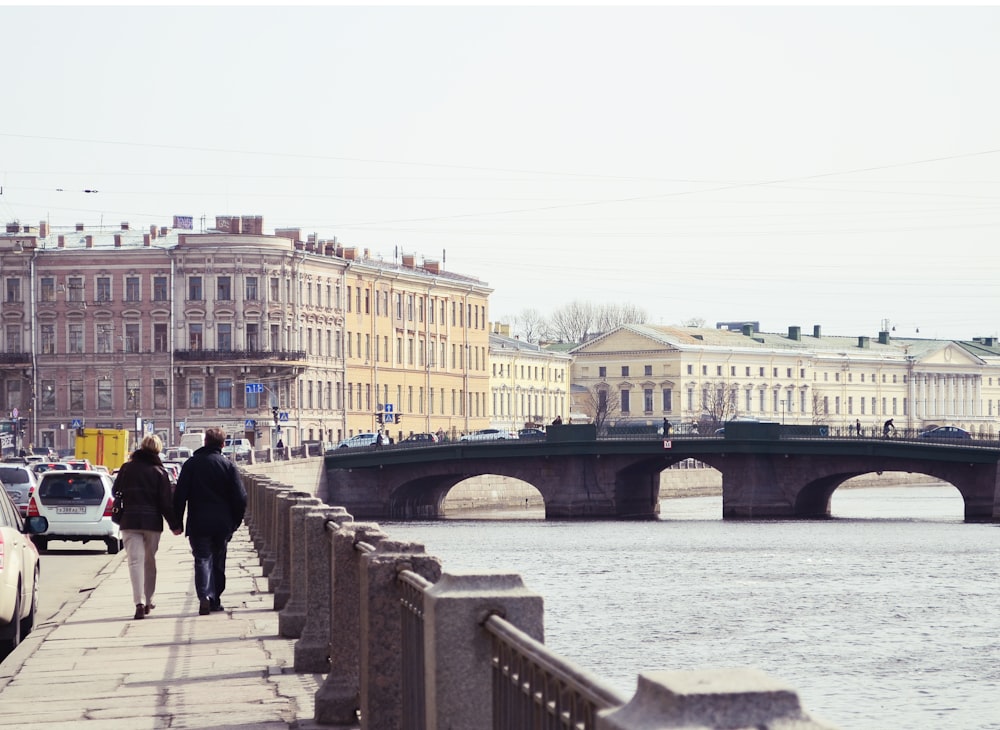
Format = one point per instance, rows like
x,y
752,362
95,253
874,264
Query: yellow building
x,y
641,374
528,384
416,348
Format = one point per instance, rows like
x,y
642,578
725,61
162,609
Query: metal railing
x,y
535,688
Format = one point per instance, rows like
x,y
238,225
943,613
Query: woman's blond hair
x,y
152,443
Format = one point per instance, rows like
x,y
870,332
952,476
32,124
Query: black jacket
x,y
211,489
143,489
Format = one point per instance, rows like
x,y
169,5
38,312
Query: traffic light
x,y
399,418
378,417
274,412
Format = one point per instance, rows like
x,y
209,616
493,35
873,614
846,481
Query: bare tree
x,y
693,322
720,401
610,316
573,322
600,402
820,407
530,325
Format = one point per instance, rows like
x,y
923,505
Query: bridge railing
x,y
405,645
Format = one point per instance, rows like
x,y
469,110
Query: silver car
x,y
19,481
77,505
19,572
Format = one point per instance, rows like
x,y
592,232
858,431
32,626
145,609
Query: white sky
x,y
793,165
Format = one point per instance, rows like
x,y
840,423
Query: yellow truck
x,y
107,446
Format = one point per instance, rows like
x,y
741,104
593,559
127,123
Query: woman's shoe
x,y
140,611
149,607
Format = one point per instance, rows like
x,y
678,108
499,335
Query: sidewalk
x,y
173,669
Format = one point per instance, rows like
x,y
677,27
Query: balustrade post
x,y
382,629
458,651
337,701
292,616
279,581
312,650
270,546
714,699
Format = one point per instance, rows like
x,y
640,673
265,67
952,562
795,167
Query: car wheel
x,y
114,545
10,635
28,622
42,543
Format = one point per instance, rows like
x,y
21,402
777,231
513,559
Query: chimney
x,y
883,337
79,226
330,248
795,333
293,233
152,231
747,330
408,260
350,253
432,266
124,225
163,230
118,240
817,331
864,342
43,229
61,241
13,228
147,238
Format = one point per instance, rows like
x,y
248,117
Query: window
x,y
13,338
275,338
48,400
225,338
625,400
104,338
194,289
668,404
253,337
133,395
159,338
75,397
159,393
718,370
602,372
104,395
194,336
47,333
624,371
132,289
47,289
104,288
690,369
196,393
131,338
275,293
74,286
647,400
160,289
251,288
13,290
75,338
225,392
224,288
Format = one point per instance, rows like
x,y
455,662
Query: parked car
x,y
946,432
427,438
531,433
178,454
19,571
237,448
77,505
361,439
19,481
489,434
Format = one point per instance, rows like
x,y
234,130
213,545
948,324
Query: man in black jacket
x,y
210,487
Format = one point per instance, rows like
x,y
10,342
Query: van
x,y
238,448
192,441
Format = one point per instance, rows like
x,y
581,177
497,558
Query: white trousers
x,y
141,547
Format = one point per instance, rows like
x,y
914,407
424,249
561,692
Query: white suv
x,y
77,505
361,439
489,434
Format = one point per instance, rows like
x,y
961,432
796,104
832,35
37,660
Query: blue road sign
x,y
389,418
77,423
255,387
283,416
249,424
388,408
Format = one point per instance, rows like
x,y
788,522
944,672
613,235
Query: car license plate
x,y
71,510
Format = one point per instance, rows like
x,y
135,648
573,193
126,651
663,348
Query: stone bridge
x,y
762,478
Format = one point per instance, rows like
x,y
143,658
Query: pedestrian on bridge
x,y
210,487
142,490
887,427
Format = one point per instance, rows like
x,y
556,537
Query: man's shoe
x,y
204,607
140,611
217,606
149,607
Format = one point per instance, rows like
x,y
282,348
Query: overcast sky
x,y
793,165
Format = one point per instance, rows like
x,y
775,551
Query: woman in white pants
x,y
142,489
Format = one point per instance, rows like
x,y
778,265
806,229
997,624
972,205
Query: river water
x,y
886,616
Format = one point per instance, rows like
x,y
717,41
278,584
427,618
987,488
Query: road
x,y
67,569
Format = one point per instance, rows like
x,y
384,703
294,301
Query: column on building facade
x,y
977,398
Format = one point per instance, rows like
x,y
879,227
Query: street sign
x,y
255,387
180,426
78,423
388,407
283,416
249,424
389,418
